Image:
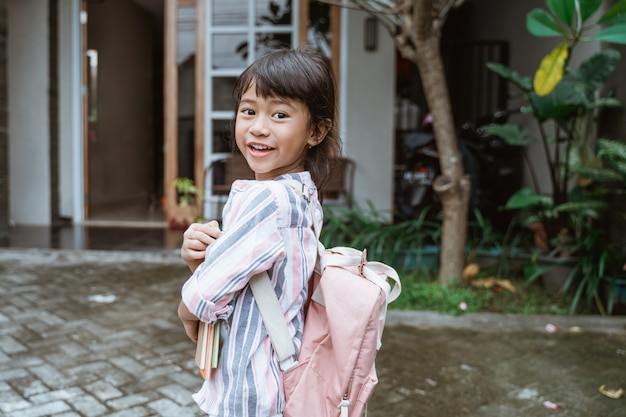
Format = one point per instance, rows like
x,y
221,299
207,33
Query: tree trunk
x,y
416,27
452,186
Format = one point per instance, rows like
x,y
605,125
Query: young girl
x,y
285,127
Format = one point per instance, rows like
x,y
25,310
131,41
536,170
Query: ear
x,y
319,133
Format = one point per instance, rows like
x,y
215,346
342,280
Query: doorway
x,y
151,67
123,139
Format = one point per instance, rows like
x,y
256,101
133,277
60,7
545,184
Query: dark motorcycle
x,y
415,191
495,169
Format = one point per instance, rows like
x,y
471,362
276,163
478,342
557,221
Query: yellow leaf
x,y
551,70
470,271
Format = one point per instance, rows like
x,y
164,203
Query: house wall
x,y
4,139
69,104
367,103
29,139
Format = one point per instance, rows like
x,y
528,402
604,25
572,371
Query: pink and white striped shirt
x,y
267,226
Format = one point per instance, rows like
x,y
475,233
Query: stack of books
x,y
208,347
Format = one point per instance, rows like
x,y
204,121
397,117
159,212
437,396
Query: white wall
x,y
69,103
29,170
367,102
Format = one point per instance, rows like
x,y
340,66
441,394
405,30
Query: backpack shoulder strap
x,y
268,304
274,320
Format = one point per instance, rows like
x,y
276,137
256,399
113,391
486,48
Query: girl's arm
x,y
251,243
196,239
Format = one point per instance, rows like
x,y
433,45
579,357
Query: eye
x,y
247,112
280,115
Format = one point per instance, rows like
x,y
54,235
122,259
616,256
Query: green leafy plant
x,y
187,191
391,243
586,172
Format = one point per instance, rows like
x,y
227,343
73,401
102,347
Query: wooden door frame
x,y
170,106
335,30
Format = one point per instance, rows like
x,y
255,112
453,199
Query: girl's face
x,y
273,134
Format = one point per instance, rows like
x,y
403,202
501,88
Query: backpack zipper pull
x,y
343,405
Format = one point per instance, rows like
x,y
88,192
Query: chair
x,y
339,187
219,176
227,170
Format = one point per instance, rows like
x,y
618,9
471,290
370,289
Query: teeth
x,y
260,147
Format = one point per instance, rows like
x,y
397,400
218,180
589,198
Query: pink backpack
x,y
334,374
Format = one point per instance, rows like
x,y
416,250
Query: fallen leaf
x,y
614,393
493,282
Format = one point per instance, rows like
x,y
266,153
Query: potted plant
x,y
188,198
564,103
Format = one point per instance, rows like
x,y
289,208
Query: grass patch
x,y
421,291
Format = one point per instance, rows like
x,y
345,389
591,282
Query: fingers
x,y
196,239
198,234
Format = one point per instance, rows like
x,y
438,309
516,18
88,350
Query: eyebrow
x,y
271,100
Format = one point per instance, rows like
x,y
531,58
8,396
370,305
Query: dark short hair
x,y
305,75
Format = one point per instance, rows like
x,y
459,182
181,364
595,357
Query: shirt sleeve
x,y
251,242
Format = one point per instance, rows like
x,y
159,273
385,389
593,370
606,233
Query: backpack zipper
x,y
344,404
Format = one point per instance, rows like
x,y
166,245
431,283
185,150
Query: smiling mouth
x,y
260,148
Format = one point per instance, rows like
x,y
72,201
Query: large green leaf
x,y
616,14
523,83
511,134
588,7
606,102
564,101
541,23
614,153
613,34
591,208
526,198
612,149
563,9
596,70
551,70
599,174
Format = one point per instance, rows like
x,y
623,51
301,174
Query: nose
x,y
260,126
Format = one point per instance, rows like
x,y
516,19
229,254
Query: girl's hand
x,y
196,239
190,322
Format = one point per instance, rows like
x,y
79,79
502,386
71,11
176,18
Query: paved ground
x,y
94,333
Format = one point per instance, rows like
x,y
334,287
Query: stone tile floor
x,y
94,333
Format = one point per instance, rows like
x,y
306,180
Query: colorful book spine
x,y
207,347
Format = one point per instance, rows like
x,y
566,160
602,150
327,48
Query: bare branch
x,y
384,11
